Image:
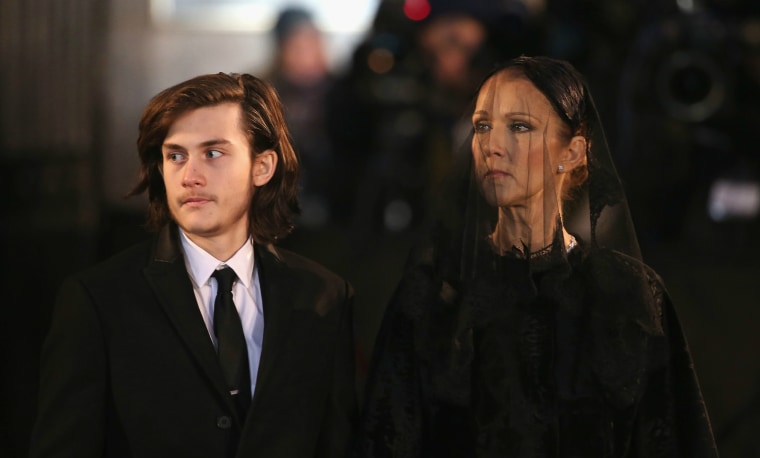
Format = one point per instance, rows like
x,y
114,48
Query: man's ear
x,y
575,154
264,165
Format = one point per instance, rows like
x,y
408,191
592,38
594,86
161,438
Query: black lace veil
x,y
526,323
594,209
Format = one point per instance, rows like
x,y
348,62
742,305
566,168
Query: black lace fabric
x,y
560,343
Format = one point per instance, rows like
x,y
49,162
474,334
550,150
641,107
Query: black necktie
x,y
231,346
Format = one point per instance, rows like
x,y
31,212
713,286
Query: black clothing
x,y
129,369
577,359
528,326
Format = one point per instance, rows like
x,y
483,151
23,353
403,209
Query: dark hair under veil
x,y
544,349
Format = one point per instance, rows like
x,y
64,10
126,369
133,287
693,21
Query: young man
x,y
139,360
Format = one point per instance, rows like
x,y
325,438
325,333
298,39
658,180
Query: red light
x,y
416,10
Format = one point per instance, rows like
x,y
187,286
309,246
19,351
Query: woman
x,y
529,326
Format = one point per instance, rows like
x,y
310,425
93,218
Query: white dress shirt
x,y
246,293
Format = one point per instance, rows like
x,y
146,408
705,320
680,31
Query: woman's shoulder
x,y
614,269
620,262
620,284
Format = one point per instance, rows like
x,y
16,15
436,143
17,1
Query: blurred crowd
x,y
676,83
376,136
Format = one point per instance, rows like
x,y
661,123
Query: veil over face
x,y
527,325
537,169
521,150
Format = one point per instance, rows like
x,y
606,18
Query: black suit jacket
x,y
128,368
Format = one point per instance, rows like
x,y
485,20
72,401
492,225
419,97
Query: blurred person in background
x,y
394,113
301,74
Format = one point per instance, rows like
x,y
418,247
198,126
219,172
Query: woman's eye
x,y
519,127
211,154
482,127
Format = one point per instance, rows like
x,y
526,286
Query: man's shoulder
x,y
133,257
305,277
299,264
118,273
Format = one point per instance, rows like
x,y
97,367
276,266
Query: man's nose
x,y
193,173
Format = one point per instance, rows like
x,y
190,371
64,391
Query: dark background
x,y
671,141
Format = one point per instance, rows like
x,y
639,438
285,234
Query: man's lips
x,y
195,200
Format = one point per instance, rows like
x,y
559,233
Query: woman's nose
x,y
495,145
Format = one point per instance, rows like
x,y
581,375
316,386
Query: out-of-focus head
x,y
262,121
451,41
301,52
450,37
289,20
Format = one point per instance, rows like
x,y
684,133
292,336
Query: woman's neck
x,y
518,228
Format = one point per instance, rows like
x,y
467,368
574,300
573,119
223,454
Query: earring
x,y
560,168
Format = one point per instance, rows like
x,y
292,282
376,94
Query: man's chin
x,y
197,228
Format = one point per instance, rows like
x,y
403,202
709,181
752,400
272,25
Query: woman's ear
x,y
264,165
575,154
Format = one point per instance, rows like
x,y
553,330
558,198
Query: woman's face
x,y
517,141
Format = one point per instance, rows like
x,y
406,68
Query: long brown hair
x,y
274,204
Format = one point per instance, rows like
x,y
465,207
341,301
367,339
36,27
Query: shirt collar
x,y
200,264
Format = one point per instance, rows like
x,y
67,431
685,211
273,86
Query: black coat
x,y
582,357
129,370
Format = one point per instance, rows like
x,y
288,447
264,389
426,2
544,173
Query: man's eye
x,y
211,154
175,157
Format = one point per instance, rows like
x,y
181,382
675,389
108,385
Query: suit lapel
x,y
167,275
277,294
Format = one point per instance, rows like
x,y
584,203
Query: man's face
x,y
207,171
